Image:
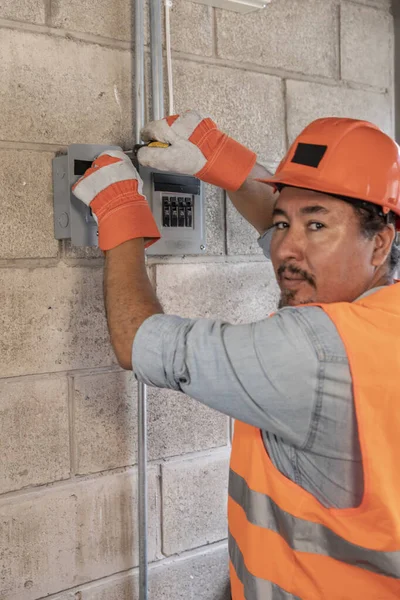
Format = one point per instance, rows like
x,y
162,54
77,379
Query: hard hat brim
x,y
313,184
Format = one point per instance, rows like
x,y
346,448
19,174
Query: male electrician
x,y
314,489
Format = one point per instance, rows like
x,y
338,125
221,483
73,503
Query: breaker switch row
x,y
177,211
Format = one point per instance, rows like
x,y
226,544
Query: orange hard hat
x,y
347,158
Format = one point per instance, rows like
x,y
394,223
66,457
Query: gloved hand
x,y
197,147
113,189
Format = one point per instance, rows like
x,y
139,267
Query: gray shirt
x,y
288,375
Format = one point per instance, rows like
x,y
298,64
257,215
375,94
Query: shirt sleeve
x,y
264,241
265,373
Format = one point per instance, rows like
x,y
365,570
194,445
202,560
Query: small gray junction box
x,y
177,203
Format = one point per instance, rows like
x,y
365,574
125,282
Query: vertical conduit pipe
x,y
396,68
158,112
139,67
157,59
142,391
142,491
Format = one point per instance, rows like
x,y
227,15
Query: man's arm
x,y
266,374
129,297
255,200
112,189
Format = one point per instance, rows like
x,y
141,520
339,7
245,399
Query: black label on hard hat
x,y
309,155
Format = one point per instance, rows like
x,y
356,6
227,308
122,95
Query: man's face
x,y
318,251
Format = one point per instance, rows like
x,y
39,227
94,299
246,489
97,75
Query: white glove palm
x,y
182,156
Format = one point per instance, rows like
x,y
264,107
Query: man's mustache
x,y
293,270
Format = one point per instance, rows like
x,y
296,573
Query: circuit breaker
x,y
177,203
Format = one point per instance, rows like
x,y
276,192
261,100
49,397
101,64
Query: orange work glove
x,y
113,189
197,147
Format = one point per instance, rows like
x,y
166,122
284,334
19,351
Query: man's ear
x,y
383,243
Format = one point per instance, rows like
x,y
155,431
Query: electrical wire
x,y
168,5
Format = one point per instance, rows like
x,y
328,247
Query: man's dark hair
x,y
372,221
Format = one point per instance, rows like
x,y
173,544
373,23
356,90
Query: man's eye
x,y
281,225
314,226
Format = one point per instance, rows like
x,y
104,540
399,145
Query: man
x,y
314,491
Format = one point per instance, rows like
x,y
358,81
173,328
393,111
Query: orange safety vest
x,y
283,543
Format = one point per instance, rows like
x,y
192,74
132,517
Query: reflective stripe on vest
x,y
306,536
255,587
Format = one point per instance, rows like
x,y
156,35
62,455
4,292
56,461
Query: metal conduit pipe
x,y
142,491
142,391
157,59
158,113
139,68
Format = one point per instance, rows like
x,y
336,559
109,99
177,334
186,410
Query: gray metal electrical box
x,y
177,203
72,218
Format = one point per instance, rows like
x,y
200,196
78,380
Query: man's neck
x,y
380,279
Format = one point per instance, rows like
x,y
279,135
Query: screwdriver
x,y
153,144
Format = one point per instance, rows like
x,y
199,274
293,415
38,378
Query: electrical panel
x,y
177,203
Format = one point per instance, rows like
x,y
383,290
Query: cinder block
x,y
125,587
248,106
309,101
215,227
31,11
297,36
382,4
38,540
81,251
194,498
241,292
191,28
108,525
178,424
106,423
109,19
63,91
191,24
203,576
241,236
366,45
59,538
26,205
34,445
53,319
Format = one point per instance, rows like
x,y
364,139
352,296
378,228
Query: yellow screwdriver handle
x,y
157,145
153,144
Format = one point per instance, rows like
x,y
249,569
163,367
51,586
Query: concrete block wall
x,y
68,443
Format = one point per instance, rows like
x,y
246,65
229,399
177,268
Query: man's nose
x,y
291,245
